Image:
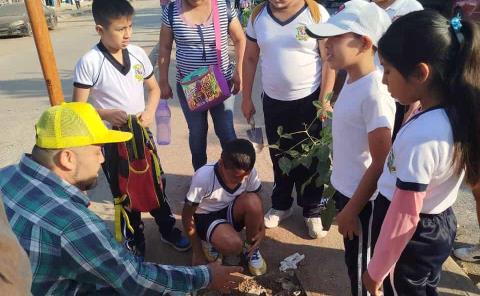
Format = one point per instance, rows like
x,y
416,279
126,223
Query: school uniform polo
x,y
114,85
289,58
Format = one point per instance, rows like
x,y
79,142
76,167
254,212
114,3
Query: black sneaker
x,y
177,240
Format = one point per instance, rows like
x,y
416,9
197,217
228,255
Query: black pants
x,y
417,272
292,116
359,250
162,215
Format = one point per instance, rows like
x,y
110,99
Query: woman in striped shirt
x,y
190,24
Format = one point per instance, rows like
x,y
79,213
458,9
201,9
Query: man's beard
x,y
87,184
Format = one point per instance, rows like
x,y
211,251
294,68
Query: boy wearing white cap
x,y
363,118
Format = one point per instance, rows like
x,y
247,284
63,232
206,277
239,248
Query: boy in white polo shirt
x,y
363,118
294,75
397,8
222,200
112,76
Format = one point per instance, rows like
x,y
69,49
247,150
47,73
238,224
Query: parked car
x,y
14,19
467,8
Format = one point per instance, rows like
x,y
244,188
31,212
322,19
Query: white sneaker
x,y
210,252
315,227
469,254
256,263
273,217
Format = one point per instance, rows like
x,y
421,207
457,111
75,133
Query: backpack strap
x,y
312,6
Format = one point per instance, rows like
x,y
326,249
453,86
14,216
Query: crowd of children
x,y
396,171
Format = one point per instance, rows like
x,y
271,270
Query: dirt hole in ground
x,y
270,284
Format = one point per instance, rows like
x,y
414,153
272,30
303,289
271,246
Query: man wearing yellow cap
x,y
71,250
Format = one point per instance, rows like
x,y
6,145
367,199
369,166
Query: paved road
x,y
23,97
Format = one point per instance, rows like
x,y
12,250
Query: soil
x,y
274,283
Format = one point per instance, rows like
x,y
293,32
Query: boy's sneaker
x,y
177,240
469,254
273,217
256,263
315,227
210,252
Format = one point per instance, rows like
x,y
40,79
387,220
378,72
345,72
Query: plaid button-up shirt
x,y
71,250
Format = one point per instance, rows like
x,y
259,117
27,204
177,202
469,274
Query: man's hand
x,y
116,117
145,118
256,240
165,90
198,258
326,108
237,83
347,224
223,280
372,286
248,109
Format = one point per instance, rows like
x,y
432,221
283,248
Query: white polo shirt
x,y
289,58
113,85
362,106
421,160
211,194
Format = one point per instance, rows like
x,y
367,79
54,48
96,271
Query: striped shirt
x,y
71,250
196,43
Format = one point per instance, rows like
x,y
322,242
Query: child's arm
x,y
398,228
238,37
116,117
379,142
146,117
198,258
165,50
328,79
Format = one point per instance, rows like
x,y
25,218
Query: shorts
x,y
206,223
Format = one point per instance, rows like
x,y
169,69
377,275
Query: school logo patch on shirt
x,y
139,72
391,162
301,33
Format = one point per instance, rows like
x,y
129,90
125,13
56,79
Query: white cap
x,y
355,16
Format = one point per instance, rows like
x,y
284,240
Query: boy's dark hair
x,y
454,60
106,10
239,154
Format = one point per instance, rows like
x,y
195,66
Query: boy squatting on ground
x,y
112,76
222,200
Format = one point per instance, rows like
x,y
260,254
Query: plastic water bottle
x,y
162,117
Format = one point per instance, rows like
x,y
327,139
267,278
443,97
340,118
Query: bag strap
x,y
218,36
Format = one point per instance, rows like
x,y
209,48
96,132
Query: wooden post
x,y
45,50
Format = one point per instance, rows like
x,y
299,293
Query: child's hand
x,y
256,240
372,286
116,117
165,90
145,118
347,224
237,83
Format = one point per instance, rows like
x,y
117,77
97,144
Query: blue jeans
x,y
222,116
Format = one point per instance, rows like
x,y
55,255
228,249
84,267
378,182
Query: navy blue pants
x,y
417,272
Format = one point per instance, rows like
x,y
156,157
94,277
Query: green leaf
x,y
274,146
317,104
280,130
285,165
287,136
305,147
293,153
306,161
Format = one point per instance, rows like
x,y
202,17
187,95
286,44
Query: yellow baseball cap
x,y
73,125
